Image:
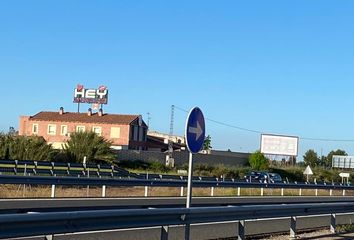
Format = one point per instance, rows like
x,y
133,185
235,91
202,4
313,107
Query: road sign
x,y
308,170
195,135
195,130
344,175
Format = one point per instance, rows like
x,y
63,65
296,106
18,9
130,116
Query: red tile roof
x,y
84,118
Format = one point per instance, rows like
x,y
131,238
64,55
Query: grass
x,y
345,228
35,191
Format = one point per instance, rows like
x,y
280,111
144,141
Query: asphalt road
x,y
76,204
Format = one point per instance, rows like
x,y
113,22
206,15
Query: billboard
x,y
86,95
279,145
342,161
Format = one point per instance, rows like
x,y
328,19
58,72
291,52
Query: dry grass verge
x,y
35,191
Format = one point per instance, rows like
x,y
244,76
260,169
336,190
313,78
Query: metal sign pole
x,y
195,136
190,176
189,194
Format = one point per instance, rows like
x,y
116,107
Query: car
x,y
256,176
275,178
263,177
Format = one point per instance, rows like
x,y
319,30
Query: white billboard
x,y
279,145
343,161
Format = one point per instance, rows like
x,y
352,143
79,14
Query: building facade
x,y
124,131
158,141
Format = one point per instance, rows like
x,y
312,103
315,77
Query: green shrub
x,y
137,164
291,173
25,148
220,170
258,161
88,144
158,167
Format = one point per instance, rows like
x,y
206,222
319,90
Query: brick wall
x,y
26,126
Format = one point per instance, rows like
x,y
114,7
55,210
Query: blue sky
x,y
283,67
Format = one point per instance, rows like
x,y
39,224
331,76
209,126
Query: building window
x,y
136,133
97,130
35,128
131,132
115,132
144,134
52,129
80,128
64,130
141,134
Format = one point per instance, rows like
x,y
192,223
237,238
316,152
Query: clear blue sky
x,y
283,67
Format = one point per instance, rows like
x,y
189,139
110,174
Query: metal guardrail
x,y
103,182
69,181
36,224
66,174
44,168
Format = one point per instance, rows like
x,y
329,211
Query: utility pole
x,y
148,114
169,158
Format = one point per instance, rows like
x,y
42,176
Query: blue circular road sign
x,y
195,130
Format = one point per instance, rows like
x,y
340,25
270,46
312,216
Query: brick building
x,y
125,131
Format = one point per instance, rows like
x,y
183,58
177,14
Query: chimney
x,y
100,112
61,110
89,112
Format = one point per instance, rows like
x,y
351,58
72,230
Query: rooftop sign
x,y
87,95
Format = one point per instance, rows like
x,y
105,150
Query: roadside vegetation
x,y
98,150
81,144
146,167
95,148
345,228
25,148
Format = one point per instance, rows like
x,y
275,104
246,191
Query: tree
x,y
258,161
339,152
12,131
88,144
25,148
207,143
311,158
292,160
4,146
322,161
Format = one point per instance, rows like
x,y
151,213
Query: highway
x,y
80,204
207,223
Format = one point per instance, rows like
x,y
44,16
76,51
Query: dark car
x,y
275,178
257,177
